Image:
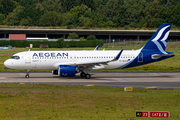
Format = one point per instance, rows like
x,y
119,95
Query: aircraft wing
x,y
85,64
97,63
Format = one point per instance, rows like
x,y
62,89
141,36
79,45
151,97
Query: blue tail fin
x,y
159,40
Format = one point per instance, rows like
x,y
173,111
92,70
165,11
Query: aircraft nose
x,y
7,63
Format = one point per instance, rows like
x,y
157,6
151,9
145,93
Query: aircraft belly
x,y
114,65
42,65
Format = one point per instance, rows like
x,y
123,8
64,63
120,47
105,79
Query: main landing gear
x,y
86,75
27,75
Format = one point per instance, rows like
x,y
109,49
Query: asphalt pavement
x,y
135,80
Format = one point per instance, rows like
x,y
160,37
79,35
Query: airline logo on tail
x,y
162,36
158,41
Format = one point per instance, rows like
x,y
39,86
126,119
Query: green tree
x,y
76,11
24,22
82,39
8,6
12,18
175,16
68,4
2,17
121,20
110,9
85,22
60,42
73,36
110,14
77,18
134,12
90,3
151,12
52,5
25,2
32,14
66,17
51,18
91,37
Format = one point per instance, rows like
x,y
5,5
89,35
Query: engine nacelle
x,y
55,72
67,70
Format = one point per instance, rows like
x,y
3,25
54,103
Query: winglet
x,y
118,56
96,48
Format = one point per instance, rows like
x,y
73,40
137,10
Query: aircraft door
x,y
140,57
27,58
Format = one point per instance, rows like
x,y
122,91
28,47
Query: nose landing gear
x,y
27,75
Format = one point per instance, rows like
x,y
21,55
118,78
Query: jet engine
x,y
67,70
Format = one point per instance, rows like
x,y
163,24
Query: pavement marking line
x,y
152,87
90,85
21,83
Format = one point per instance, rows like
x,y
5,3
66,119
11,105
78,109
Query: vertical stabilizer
x,y
158,41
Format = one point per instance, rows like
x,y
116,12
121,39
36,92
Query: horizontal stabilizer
x,y
157,56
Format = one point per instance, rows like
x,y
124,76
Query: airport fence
x,y
137,44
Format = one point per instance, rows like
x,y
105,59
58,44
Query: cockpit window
x,y
15,57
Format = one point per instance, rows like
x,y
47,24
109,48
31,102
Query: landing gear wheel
x,y
88,76
27,76
82,74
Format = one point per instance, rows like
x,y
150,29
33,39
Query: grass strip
x,y
47,101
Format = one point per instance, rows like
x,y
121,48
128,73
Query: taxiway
x,y
137,80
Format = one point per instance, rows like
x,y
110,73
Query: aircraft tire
x,y
83,74
88,76
27,76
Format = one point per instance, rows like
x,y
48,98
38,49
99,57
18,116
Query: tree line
x,y
90,13
52,44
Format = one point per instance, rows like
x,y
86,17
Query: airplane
x,y
68,63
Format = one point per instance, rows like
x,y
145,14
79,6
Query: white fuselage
x,y
50,60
